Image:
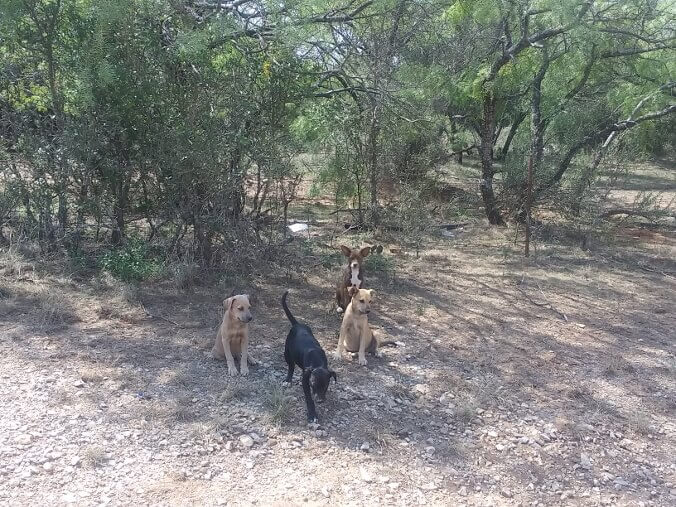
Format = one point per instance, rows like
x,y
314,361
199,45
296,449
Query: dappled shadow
x,y
568,338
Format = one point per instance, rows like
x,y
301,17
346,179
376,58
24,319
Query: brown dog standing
x,y
353,275
232,339
355,333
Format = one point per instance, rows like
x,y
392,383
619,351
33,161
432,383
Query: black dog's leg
x,y
289,375
311,413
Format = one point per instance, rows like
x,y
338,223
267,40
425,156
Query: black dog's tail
x,y
291,318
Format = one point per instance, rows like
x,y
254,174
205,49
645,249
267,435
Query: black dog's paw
x,y
312,423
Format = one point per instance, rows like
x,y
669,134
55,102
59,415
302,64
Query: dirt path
x,y
550,382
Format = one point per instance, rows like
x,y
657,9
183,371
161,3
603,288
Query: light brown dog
x,y
355,333
232,339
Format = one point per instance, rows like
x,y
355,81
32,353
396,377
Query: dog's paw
x,y
312,421
337,356
363,361
243,371
339,310
232,371
286,384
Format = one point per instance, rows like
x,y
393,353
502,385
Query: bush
x,y
132,262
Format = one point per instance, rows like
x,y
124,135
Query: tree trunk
x,y
510,135
374,132
487,132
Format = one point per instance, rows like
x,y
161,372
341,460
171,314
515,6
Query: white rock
x,y
430,450
246,441
365,475
585,461
462,491
365,447
24,439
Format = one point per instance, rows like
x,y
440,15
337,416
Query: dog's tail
x,y
291,318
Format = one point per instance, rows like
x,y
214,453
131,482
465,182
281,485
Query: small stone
x,y
365,447
500,447
24,439
326,492
462,491
430,450
493,434
393,485
246,441
421,389
365,475
48,467
75,461
78,383
506,493
229,445
585,461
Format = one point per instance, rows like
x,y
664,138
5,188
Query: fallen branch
x,y
546,304
626,211
159,317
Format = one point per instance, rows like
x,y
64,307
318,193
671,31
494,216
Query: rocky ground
x,y
542,382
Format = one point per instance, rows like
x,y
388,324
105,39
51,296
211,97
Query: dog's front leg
x,y
217,350
362,348
232,369
341,342
311,413
244,360
289,375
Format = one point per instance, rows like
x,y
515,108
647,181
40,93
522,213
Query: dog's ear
x,y
249,298
371,293
364,252
352,291
227,303
347,251
333,374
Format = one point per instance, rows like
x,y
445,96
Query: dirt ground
x,y
541,381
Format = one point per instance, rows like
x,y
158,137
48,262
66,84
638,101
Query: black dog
x,y
303,349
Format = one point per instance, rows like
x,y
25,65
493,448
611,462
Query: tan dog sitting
x,y
232,339
355,333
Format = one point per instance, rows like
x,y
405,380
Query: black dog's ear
x,y
333,374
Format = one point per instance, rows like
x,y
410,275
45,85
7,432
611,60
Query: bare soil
x,y
541,381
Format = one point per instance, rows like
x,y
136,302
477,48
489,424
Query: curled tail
x,y
291,318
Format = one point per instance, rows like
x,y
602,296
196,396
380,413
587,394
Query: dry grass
x,y
278,404
233,392
185,276
91,374
53,308
94,457
465,411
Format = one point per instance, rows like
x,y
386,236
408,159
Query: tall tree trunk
x,y
487,172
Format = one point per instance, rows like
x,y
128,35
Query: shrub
x,y
132,262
